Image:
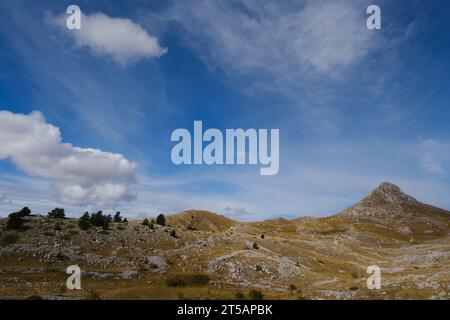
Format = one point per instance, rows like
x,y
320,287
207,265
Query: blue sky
x,y
355,107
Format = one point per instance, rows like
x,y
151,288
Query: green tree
x,y
255,295
57,213
15,221
25,212
84,222
117,217
161,220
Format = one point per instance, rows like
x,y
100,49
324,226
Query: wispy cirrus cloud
x,y
432,154
307,53
276,40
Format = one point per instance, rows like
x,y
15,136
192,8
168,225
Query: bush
x,y
9,239
292,287
255,295
69,235
161,220
255,246
258,268
239,296
57,213
34,297
183,280
262,236
176,281
15,219
173,234
25,212
61,257
145,222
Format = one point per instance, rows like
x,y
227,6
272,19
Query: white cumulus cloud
x,y
119,38
84,176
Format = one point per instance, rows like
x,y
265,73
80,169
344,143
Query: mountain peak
x,y
390,193
387,200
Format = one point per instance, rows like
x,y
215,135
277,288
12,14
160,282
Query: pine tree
x,y
117,217
161,220
84,222
15,221
57,213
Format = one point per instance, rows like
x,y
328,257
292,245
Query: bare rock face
x,y
389,193
387,200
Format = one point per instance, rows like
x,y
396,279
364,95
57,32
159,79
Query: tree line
x,y
16,220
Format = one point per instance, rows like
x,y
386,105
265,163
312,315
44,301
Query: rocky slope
x,y
305,258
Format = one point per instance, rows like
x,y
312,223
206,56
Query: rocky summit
x,y
199,254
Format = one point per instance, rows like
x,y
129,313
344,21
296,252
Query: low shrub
x,y
93,295
161,220
239,296
69,235
57,213
15,219
35,297
9,239
184,280
255,295
117,217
